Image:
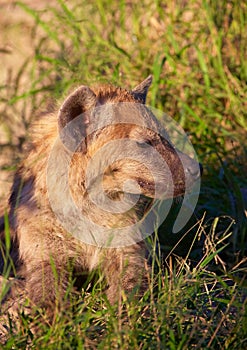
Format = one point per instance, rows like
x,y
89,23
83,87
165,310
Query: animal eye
x,y
144,143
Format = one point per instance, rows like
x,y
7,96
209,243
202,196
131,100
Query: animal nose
x,y
194,171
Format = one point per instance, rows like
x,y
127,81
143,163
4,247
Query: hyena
x,y
48,253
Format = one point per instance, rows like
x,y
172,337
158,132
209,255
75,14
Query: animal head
x,y
126,148
111,161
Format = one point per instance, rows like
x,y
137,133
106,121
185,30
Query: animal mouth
x,y
146,186
151,190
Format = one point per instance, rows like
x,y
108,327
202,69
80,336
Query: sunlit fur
x,y
39,239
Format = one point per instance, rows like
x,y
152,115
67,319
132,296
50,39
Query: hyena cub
x,y
81,195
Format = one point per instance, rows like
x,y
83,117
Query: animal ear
x,y
81,100
141,90
73,130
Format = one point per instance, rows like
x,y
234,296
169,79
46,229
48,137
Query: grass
x,y
196,52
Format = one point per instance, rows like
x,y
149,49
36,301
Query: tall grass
x,y
197,54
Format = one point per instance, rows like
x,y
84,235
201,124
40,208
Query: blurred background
x,y
196,51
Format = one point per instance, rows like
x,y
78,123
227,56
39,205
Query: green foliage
x,y
196,51
183,308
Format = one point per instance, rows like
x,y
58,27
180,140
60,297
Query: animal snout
x,y
194,170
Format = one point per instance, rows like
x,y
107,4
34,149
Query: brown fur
x,y
48,254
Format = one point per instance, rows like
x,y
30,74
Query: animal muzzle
x,y
188,173
184,173
193,171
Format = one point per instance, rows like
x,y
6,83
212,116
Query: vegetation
x,y
197,54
